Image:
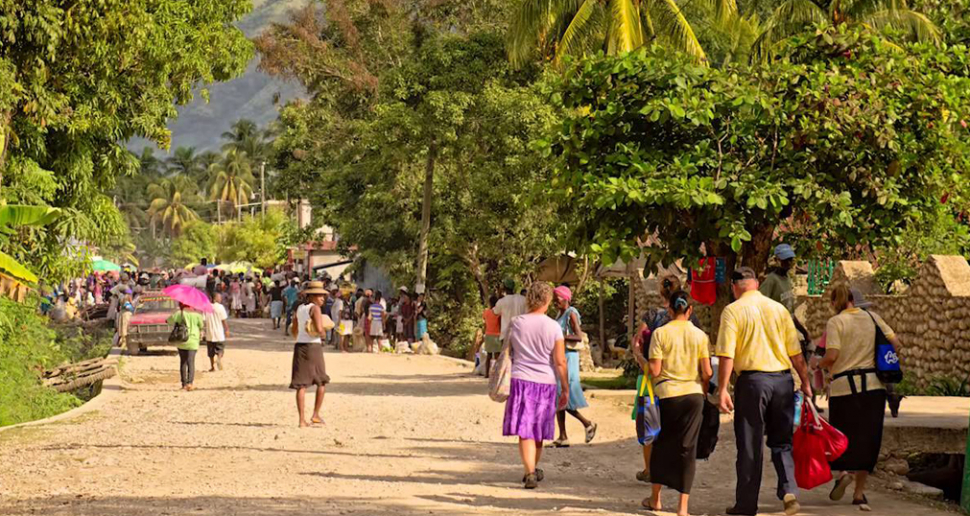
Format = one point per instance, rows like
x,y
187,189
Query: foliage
x,y
197,240
937,231
832,146
170,204
232,180
27,345
794,16
557,28
72,92
253,239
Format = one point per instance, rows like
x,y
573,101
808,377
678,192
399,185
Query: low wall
x,y
932,318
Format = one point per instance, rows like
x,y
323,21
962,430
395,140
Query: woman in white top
x,y
308,365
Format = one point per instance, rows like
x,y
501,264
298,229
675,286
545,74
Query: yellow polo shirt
x,y
758,333
681,346
853,333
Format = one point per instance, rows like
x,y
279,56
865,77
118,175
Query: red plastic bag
x,y
816,443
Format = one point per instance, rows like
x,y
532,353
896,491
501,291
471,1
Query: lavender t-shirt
x,y
533,338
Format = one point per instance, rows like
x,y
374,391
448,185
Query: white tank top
x,y
302,316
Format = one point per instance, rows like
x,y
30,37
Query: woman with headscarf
x,y
571,325
538,361
309,368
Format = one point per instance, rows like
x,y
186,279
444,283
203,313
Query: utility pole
x,y
262,188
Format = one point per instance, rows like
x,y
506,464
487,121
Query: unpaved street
x,y
404,435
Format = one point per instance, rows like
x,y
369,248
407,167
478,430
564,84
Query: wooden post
x,y
632,309
602,324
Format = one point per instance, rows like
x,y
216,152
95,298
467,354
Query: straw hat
x,y
314,287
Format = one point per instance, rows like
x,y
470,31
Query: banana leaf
x,y
14,269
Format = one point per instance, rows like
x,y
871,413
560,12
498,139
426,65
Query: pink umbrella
x,y
190,296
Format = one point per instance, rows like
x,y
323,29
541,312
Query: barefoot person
x,y
308,366
538,359
571,326
680,368
194,323
758,339
216,332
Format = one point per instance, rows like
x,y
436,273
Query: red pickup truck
x,y
148,325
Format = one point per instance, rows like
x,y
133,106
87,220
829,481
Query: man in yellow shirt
x,y
757,338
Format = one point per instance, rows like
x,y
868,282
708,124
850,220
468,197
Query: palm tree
x,y
149,165
207,159
240,130
184,162
793,16
170,204
231,180
556,28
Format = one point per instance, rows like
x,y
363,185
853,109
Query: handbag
x,y
710,425
648,413
500,377
180,332
888,369
815,444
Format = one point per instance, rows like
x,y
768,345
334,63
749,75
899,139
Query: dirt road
x,y
404,435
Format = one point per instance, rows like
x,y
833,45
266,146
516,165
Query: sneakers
x,y
791,505
531,481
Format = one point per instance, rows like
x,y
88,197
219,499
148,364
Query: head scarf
x,y
564,293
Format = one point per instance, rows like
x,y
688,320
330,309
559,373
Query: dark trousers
x,y
764,404
289,317
187,366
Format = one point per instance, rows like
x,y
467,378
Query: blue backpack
x,y
888,369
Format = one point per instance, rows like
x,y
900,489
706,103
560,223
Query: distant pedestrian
x,y
308,363
757,338
571,325
407,315
337,315
235,294
195,324
857,399
291,295
538,361
680,368
509,307
216,332
276,304
375,319
493,334
420,317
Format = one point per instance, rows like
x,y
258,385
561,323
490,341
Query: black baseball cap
x,y
743,273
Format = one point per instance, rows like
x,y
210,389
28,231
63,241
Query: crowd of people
x,y
760,349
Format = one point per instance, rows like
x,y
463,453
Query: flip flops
x,y
838,491
590,432
863,504
561,443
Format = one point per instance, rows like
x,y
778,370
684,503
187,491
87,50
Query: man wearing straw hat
x,y
309,324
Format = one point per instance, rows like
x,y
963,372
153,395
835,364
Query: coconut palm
x,y
793,16
240,130
556,28
231,180
184,162
170,205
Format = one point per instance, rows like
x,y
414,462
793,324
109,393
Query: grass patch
x,y
618,382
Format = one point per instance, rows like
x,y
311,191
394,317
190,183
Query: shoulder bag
x,y
180,332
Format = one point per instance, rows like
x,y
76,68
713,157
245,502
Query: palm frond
x,y
529,26
576,38
673,29
787,19
916,23
626,32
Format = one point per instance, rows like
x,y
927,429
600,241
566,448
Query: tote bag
x,y
648,414
500,377
816,443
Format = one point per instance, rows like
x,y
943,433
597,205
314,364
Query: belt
x,y
851,374
746,373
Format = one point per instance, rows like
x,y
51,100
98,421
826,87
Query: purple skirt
x,y
530,411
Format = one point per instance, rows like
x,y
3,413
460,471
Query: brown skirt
x,y
308,366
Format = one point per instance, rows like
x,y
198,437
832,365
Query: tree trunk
x,y
426,219
4,140
476,267
754,254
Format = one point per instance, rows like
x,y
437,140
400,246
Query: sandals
x,y
561,443
838,491
863,504
590,432
646,505
539,475
531,481
643,476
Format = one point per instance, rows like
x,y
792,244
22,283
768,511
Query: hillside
x,y
251,96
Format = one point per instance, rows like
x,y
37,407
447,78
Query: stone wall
x,y
932,318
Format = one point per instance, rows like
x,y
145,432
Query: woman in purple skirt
x,y
538,358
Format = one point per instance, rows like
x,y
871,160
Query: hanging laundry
x,y
703,287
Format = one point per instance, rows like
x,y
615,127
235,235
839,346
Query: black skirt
x,y
674,457
308,366
860,417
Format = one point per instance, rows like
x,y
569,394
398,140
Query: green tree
x,y
72,92
794,16
252,239
185,162
672,160
197,239
231,180
170,206
553,29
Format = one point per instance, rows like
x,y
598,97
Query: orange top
x,y
493,322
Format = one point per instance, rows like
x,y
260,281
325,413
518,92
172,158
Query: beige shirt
x,y
681,346
853,333
759,334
